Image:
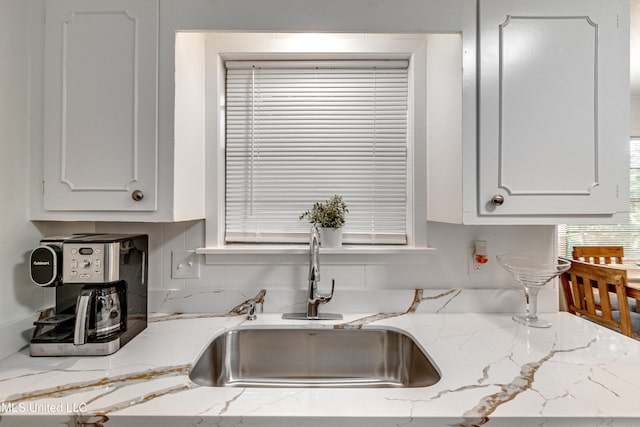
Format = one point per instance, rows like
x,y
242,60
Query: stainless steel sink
x,y
314,358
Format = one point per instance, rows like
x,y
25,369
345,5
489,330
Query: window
x,y
298,132
627,235
380,168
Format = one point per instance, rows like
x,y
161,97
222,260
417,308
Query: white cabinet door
x,y
553,107
100,143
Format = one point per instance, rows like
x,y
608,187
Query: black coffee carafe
x,y
100,312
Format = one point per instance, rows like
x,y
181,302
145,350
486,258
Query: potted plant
x,y
328,216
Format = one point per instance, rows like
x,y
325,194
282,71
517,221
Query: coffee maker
x,y
100,282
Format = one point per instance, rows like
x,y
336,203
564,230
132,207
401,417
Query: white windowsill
x,y
298,254
304,249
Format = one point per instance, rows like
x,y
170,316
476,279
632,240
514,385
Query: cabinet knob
x,y
137,195
497,200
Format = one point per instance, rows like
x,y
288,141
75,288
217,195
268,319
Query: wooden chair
x,y
599,254
583,281
604,255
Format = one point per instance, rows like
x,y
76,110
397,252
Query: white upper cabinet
x,y
108,150
534,129
553,109
100,141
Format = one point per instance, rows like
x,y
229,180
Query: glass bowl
x,y
532,272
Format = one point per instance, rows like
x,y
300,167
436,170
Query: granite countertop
x,y
493,371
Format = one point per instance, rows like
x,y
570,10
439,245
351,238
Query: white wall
x,y
20,299
635,116
18,296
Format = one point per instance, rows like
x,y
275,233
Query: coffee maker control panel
x,y
88,262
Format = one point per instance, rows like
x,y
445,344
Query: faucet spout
x,y
314,254
314,297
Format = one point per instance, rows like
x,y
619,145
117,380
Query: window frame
x,y
219,47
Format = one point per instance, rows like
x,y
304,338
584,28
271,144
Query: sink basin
x,y
314,358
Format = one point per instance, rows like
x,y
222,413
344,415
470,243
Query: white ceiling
x,y
635,47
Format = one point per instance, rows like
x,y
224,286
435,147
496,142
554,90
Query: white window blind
x,y
298,132
626,235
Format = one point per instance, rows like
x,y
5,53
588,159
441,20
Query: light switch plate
x,y
185,265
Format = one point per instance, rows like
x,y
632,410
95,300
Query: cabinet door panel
x,y
534,140
100,105
548,145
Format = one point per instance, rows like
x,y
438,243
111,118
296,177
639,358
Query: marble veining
x,y
143,399
494,372
104,382
235,311
524,381
415,304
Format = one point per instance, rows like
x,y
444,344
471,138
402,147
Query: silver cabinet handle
x,y
137,195
497,200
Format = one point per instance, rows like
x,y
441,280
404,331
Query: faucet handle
x,y
251,310
325,298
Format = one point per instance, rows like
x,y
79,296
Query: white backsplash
x,y
362,287
455,300
449,266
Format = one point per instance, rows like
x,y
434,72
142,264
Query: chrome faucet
x,y
314,298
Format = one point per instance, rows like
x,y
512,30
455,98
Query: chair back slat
x,y
599,254
584,280
586,292
605,300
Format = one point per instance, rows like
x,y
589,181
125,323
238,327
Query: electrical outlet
x,y
185,265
